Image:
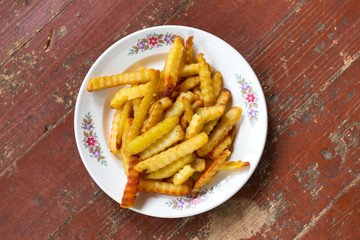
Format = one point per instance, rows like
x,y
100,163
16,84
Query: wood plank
x,y
45,187
21,20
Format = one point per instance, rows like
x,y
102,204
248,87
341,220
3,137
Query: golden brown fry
x,y
128,93
197,104
177,108
186,85
183,175
199,164
131,187
231,165
189,70
188,112
224,144
197,91
189,51
166,141
202,116
223,97
208,127
221,130
125,113
141,76
206,85
155,116
125,158
168,156
217,83
114,131
172,168
194,127
211,171
141,142
163,188
136,104
174,61
144,107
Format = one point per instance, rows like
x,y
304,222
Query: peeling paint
x,y
243,218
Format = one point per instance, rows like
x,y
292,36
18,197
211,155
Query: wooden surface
x,y
306,56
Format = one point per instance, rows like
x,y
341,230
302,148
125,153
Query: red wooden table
x,y
306,56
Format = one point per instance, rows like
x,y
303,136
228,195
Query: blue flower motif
x,y
167,39
140,45
180,204
88,126
253,113
245,86
96,153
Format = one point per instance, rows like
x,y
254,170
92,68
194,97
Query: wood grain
x,y
306,56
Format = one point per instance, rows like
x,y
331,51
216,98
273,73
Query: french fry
x,y
128,93
168,156
206,85
163,188
174,61
136,104
189,70
202,116
197,91
177,108
197,104
199,164
208,127
188,113
231,165
141,142
172,168
223,97
125,157
114,131
165,102
131,187
144,107
194,127
217,83
224,144
125,113
138,77
183,175
189,52
186,85
166,141
221,130
211,171
154,117
211,113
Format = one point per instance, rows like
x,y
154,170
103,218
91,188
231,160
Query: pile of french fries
x,y
170,127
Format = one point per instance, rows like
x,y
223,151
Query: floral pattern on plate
x,y
91,141
152,40
251,99
191,202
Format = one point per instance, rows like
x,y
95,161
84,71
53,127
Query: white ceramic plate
x,y
93,118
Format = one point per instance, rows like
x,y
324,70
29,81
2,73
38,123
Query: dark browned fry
x,y
132,184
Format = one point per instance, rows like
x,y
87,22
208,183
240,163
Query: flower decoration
x,y
91,141
251,99
151,41
191,202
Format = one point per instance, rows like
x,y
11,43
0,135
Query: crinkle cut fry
x,y
132,184
211,171
163,188
141,76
